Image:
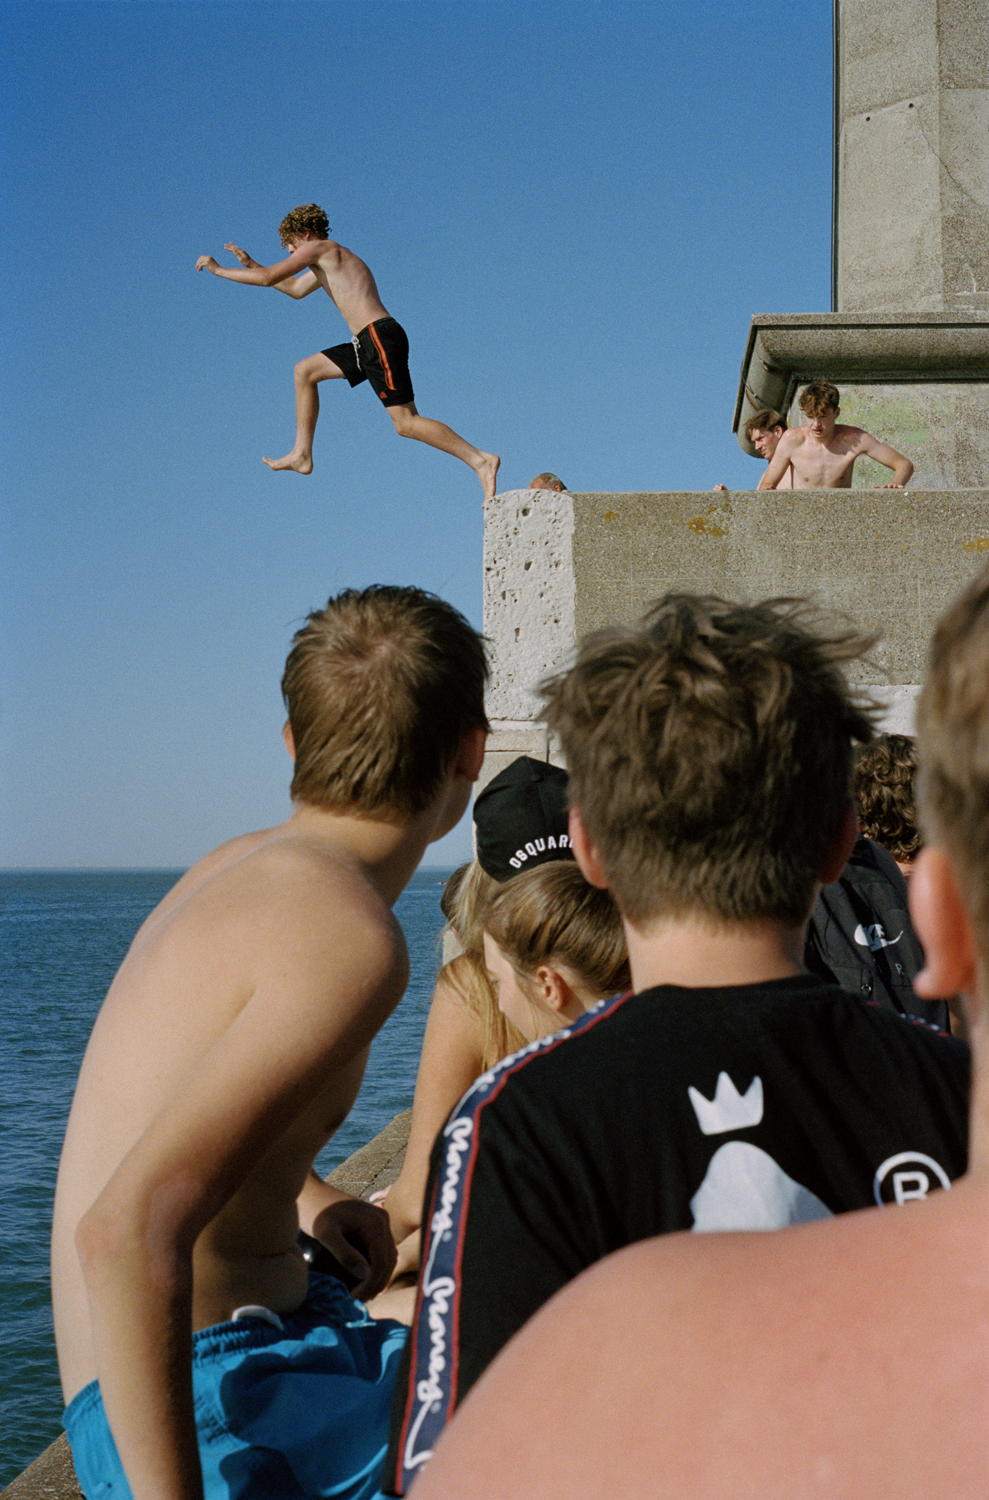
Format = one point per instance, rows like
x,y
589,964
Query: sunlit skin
x,y
312,263
821,455
541,1004
745,1365
765,441
231,1045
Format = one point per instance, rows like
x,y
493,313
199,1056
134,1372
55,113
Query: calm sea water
x,y
63,936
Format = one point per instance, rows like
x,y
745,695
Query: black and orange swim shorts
x,y
378,354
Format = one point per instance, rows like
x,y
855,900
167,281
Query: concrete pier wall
x,y
557,566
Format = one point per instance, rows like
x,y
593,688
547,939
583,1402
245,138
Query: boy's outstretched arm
x,y
902,467
294,270
779,463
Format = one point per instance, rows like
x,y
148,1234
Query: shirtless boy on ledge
x,y
378,353
230,1047
821,454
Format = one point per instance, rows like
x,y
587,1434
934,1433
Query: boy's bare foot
x,y
300,462
486,471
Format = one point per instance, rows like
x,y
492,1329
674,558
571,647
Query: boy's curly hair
x,y
819,398
308,218
884,794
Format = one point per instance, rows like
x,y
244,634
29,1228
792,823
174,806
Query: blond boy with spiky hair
x,y
710,759
840,1361
378,351
198,1352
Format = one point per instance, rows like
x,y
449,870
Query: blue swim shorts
x,y
300,1410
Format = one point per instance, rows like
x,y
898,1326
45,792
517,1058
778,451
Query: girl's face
x,y
532,1019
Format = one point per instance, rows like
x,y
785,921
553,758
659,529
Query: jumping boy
x,y
378,351
814,1362
710,757
230,1047
821,454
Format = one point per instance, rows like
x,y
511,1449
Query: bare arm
x,y
449,1064
307,1019
883,454
292,276
779,463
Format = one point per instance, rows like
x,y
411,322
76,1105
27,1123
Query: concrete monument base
x,y
558,566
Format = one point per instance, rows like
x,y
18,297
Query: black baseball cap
x,y
520,818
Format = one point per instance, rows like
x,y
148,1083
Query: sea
x,y
62,937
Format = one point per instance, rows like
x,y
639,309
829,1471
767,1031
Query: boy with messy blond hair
x,y
821,454
710,757
806,1362
199,1354
378,351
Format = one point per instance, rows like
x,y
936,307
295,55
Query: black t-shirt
x,y
750,1107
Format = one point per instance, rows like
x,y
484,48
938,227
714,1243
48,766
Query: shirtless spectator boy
x,y
821,454
378,352
729,1090
803,1363
764,431
230,1047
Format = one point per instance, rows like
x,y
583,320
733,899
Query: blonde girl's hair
x,y
552,915
465,911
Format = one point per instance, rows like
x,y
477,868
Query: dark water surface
x,y
62,936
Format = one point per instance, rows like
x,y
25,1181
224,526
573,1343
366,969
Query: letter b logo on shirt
x,y
908,1176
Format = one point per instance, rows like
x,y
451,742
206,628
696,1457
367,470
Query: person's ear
x,y
944,927
552,989
585,853
470,753
289,739
837,854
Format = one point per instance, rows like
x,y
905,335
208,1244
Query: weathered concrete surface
x,y
943,429
528,596
891,560
50,1477
911,241
913,155
374,1166
377,1164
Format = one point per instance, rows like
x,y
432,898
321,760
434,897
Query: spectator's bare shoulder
x,y
279,909
307,886
853,438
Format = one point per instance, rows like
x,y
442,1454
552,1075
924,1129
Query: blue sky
x,y
574,209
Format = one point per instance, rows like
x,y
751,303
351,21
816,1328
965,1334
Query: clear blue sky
x,y
575,209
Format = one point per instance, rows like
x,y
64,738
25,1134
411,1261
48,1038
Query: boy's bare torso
x,y
269,913
822,465
349,282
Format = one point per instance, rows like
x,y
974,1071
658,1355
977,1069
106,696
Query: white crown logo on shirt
x,y
728,1110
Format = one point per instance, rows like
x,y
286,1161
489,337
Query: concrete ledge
x,y
50,1477
787,350
377,1164
890,559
